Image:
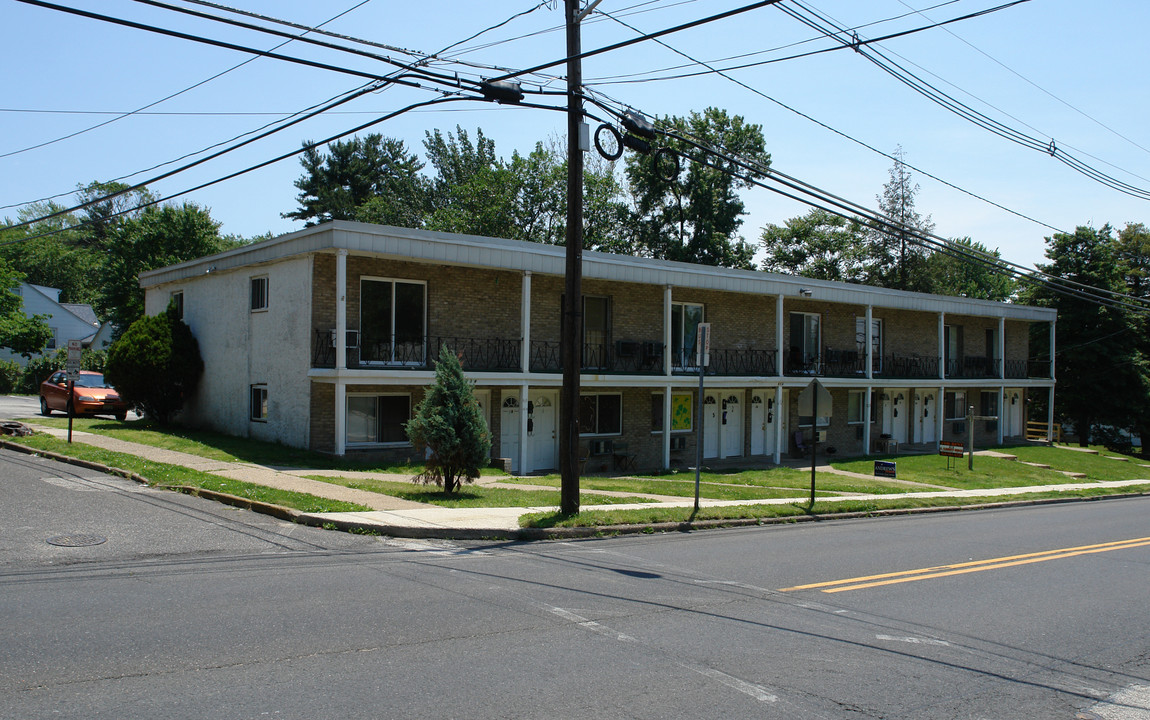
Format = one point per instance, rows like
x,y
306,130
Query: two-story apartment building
x,y
326,338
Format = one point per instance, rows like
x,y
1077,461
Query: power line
x,y
164,99
840,133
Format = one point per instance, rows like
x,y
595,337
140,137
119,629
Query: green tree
x,y
987,279
897,259
108,205
818,245
157,237
449,424
1132,253
1101,373
372,179
695,216
59,260
18,332
156,365
473,192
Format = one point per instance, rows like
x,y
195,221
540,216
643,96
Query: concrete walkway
x,y
391,515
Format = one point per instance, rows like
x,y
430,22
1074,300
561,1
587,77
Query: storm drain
x,y
77,540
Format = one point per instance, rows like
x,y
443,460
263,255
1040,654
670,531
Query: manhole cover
x,y
77,540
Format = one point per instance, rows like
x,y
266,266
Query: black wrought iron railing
x,y
908,367
475,354
972,367
729,362
624,357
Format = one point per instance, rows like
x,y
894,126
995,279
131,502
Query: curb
x,y
527,534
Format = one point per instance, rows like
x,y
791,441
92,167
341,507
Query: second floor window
x,y
178,301
259,293
875,341
685,319
392,323
804,340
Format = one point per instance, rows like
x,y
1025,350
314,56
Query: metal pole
x,y
573,291
699,443
970,437
814,434
71,406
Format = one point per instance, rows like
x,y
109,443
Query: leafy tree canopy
x,y
695,216
19,333
817,245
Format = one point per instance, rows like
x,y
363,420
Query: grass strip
x,y
678,488
470,496
1095,467
663,514
165,475
988,472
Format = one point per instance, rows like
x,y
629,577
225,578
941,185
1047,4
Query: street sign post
x,y
703,359
72,369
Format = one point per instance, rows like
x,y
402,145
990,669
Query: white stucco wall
x,y
242,348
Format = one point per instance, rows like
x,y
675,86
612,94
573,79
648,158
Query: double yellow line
x,y
869,581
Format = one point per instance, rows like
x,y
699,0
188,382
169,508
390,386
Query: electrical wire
x,y
840,133
817,21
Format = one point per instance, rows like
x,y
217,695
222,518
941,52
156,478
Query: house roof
x,y
516,255
83,311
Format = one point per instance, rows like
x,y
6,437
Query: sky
x,y
1064,70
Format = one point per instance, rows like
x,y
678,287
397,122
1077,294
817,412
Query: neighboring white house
x,y
68,321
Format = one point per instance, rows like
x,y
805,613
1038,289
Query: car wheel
x,y
122,416
44,409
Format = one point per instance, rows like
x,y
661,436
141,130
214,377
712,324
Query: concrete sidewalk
x,y
394,516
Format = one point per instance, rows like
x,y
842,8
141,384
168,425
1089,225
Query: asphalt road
x,y
192,610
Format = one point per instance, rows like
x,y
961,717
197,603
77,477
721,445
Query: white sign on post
x,y
703,340
72,365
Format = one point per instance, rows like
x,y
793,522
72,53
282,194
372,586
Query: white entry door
x,y
542,433
900,413
929,417
1012,417
710,426
759,423
732,408
916,419
509,430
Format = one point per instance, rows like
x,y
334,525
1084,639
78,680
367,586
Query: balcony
x,y
475,354
1023,369
972,367
728,362
909,367
625,357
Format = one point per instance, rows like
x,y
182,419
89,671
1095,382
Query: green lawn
x,y
162,474
1096,467
785,477
218,446
989,472
471,496
678,487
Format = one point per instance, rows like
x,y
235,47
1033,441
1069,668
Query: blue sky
x,y
1058,69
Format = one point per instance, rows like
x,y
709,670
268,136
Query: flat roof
x,y
520,256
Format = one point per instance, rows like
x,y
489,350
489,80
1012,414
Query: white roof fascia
x,y
516,255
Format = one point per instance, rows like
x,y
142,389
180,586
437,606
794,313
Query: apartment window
x,y
685,319
596,330
988,407
177,300
375,419
682,413
52,340
856,407
875,341
392,320
259,293
955,405
804,340
259,403
952,340
601,414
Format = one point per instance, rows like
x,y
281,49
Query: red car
x,y
93,395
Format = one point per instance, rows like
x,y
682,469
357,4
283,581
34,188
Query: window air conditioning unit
x,y
679,442
959,428
352,337
600,447
821,436
627,348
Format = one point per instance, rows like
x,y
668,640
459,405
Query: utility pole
x,y
572,332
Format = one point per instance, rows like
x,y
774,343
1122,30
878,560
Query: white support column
x,y
1001,352
1052,322
525,324
867,338
340,351
866,407
667,362
778,340
942,346
667,428
1001,411
523,469
779,416
939,415
1050,417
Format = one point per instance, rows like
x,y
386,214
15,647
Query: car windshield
x,y
95,380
